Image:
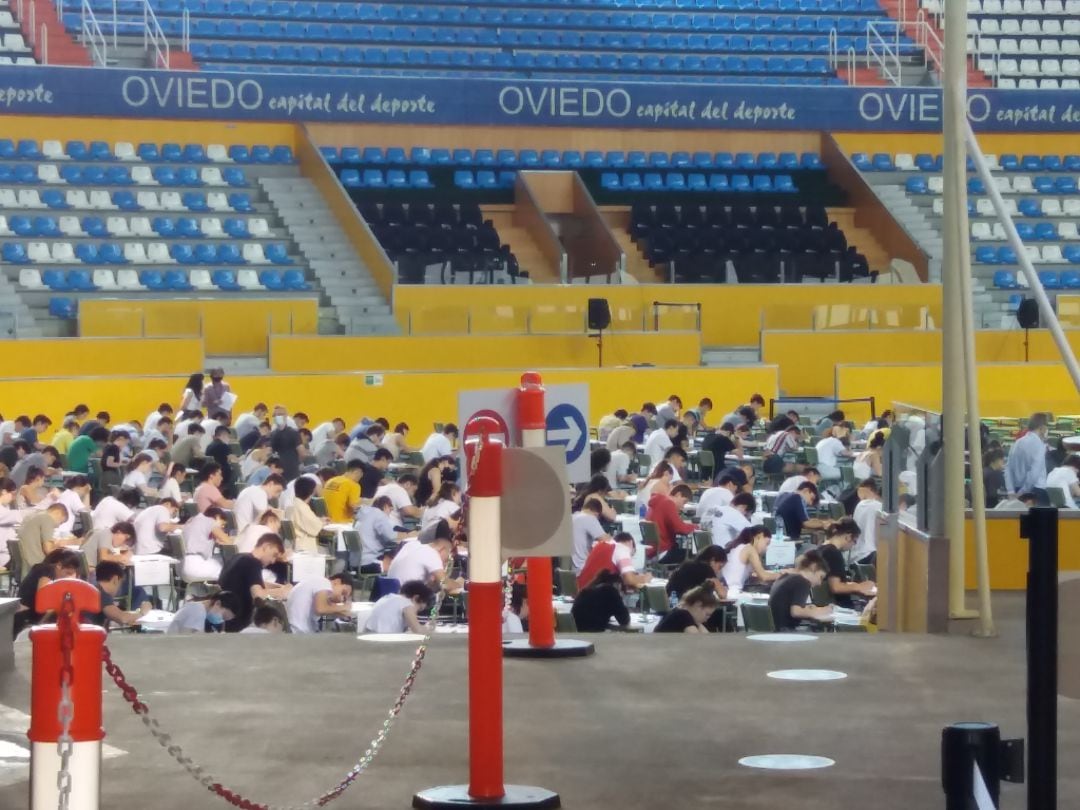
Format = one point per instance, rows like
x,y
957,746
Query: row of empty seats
x,y
1046,254
30,149
884,162
144,253
100,200
1033,69
393,178
1066,280
1013,27
31,279
1009,184
1041,231
93,175
571,158
1042,207
1006,83
168,227
677,181
1006,7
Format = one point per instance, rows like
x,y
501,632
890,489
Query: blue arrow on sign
x,y
566,427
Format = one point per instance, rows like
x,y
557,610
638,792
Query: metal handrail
x,y
33,23
44,52
924,35
834,48
185,30
92,35
852,59
154,35
883,49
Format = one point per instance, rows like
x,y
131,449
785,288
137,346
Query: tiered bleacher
x,y
772,41
1026,44
13,47
80,218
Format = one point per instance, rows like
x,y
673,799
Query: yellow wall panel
x,y
327,353
227,326
111,130
730,316
995,143
418,398
64,357
1009,554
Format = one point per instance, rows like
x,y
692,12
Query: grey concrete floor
x,y
648,722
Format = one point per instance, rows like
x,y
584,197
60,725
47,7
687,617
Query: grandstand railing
x,y
852,61
154,36
925,35
93,38
185,30
883,48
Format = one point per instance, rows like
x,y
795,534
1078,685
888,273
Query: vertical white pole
x,y
953,399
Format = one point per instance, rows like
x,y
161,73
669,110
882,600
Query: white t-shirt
x,y
415,560
443,509
301,604
656,445
388,615
246,540
436,445
288,495
1063,478
828,450
711,502
727,524
619,466
252,630
69,498
170,489
191,618
512,623
145,523
245,423
792,483
865,517
398,497
250,505
136,479
197,538
587,530
151,421
110,512
209,425
322,434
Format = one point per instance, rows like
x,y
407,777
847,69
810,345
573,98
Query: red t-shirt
x,y
665,514
607,555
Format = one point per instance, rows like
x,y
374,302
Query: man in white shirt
x,y
326,432
423,562
440,444
400,612
153,519
586,528
247,422
112,510
1066,479
253,501
733,518
659,442
865,516
210,425
318,596
286,498
830,450
76,497
400,493
201,534
715,498
152,419
618,469
1025,470
791,483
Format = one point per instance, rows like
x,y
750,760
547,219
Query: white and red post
x,y
66,651
532,417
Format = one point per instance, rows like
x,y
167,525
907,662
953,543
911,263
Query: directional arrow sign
x,y
567,428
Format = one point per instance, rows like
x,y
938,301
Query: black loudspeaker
x,y
599,313
1027,314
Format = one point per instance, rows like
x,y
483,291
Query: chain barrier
x,y
65,711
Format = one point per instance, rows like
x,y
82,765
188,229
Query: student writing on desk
x,y
841,538
695,608
790,594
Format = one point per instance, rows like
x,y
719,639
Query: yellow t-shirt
x,y
62,441
342,497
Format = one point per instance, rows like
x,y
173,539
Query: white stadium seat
x,y
63,252
1051,207
76,198
104,279
992,7
984,207
101,201
148,200
128,280
217,201
253,254
4,229
1006,84
200,280
1050,67
1010,26
70,226
143,176
1054,7
29,198
14,42
124,151
1068,232
1051,254
30,279
1048,84
1011,6
1033,254
135,252
218,153
981,231
1022,184
211,227
38,252
248,280
1029,67
211,175
998,232
117,226
1028,84
904,162
1070,84
170,201
1070,67
990,26
53,150
158,253
1004,184
1030,47
938,206
936,184
8,198
140,226
1071,46
1071,206
257,226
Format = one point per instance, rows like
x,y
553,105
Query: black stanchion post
x,y
1040,528
963,745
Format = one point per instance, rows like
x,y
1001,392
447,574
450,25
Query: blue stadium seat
x,y
697,182
126,201
241,202
277,254
637,160
724,160
294,280
924,162
80,281
188,228
228,253
95,227
882,162
22,226
631,181
1071,253
1046,231
177,280
1009,163
350,154
225,280
675,181
236,228
165,175
1004,280
767,161
484,157
271,280
1006,255
740,182
462,157
261,153
194,153
507,178
46,226
811,160
609,181
529,159
719,182
418,178
1070,280
62,308
486,179
13,252
616,160
1065,185
862,162
239,153
372,155
1052,163
172,152
373,178
1071,163
986,254
28,150
87,253
551,158
572,159
350,178
188,176
194,201
1031,163
185,254
975,186
420,155
1029,208
163,226
55,199
1050,279
702,160
152,280
784,183
1025,231
916,185
55,280
330,153
1044,185
396,178
234,177
761,182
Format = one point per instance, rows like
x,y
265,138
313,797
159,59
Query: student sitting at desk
x,y
400,612
597,605
790,507
664,512
205,615
695,608
744,557
789,596
708,566
733,518
110,578
791,483
841,538
615,555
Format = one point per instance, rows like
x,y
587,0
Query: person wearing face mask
x,y
218,395
285,442
205,615
1025,471
695,608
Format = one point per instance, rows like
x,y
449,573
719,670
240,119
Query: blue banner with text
x,y
521,102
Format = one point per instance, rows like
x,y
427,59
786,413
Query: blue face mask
x,y
215,619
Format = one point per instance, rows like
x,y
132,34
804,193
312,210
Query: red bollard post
x,y
532,419
483,455
66,691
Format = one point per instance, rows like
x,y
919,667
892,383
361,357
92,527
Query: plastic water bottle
x,y
779,535
673,601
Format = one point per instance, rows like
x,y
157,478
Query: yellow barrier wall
x,y
227,326
808,360
63,357
418,398
731,314
1005,389
111,130
1068,311
1009,554
996,143
310,354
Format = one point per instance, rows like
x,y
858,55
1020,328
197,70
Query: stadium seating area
x,y
1026,44
83,218
776,41
13,47
757,244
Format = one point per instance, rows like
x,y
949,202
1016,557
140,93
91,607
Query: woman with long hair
x,y
868,462
745,557
430,478
598,489
191,399
694,609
